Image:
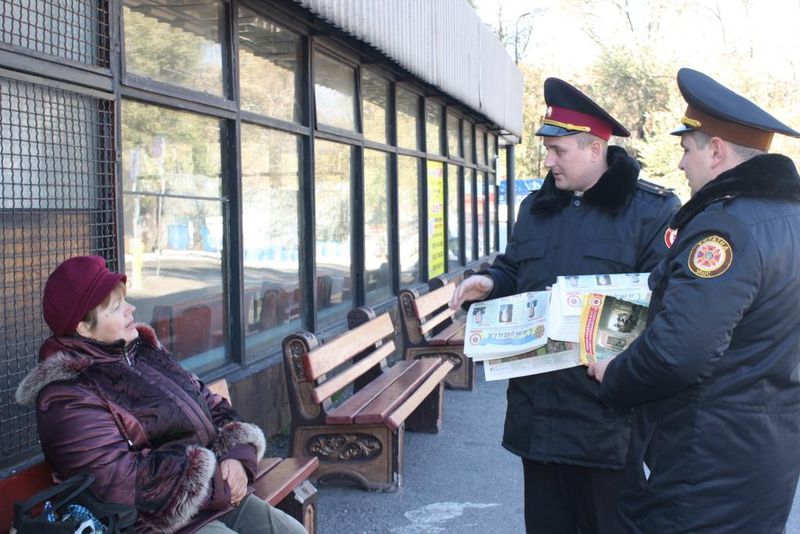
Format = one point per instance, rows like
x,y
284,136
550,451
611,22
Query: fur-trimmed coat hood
x,y
151,433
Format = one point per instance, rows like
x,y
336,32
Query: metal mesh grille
x,y
76,30
57,199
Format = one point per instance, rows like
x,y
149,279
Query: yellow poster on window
x,y
435,219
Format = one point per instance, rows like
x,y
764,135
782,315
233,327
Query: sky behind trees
x,y
625,54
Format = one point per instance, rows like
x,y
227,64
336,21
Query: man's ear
x,y
597,149
718,152
83,329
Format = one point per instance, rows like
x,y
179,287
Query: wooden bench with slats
x,y
282,482
430,326
361,437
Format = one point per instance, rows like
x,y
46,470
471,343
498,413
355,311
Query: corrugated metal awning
x,y
443,43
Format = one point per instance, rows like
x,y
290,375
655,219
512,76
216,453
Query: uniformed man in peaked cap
x,y
591,216
715,377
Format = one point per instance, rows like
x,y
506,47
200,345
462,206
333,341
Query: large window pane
x,y
270,230
175,43
436,244
407,118
481,213
469,215
453,136
433,127
376,220
466,129
174,229
453,245
332,179
408,219
375,102
270,68
334,92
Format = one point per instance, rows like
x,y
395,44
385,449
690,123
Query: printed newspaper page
x,y
506,326
554,356
564,319
608,325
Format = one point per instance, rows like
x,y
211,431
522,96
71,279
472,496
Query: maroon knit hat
x,y
76,287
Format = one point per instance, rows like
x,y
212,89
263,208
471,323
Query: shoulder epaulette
x,y
656,189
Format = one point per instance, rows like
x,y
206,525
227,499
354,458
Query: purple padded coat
x,y
151,433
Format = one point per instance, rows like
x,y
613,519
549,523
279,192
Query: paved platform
x,y
458,481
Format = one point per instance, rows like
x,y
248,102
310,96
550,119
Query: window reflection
x,y
469,215
269,68
480,146
376,219
480,198
453,245
492,217
467,140
407,117
408,219
375,91
175,43
332,178
334,92
453,136
491,147
174,229
270,195
433,127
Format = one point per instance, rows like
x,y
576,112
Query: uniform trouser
x,y
565,499
253,516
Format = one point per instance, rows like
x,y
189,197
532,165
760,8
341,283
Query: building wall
x,y
252,169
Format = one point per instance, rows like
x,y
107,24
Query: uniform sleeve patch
x,y
710,257
669,237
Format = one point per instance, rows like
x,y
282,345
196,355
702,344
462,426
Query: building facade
x,y
254,167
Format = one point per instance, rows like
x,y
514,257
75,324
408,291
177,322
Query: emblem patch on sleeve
x,y
670,236
710,257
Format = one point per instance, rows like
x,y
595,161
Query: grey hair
x,y
701,140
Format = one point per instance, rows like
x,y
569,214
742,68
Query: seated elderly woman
x,y
111,401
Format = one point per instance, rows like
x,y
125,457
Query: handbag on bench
x,y
70,507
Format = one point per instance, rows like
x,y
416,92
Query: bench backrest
x,y
424,315
308,362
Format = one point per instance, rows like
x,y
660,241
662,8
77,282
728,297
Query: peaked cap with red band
x,y
569,112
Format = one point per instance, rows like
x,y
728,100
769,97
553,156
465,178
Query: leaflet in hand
x,y
608,326
545,331
566,303
506,326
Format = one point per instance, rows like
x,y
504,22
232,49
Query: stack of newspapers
x,y
581,319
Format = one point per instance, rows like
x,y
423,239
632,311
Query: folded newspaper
x,y
581,320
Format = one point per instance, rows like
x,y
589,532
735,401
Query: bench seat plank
x,y
265,464
401,414
345,413
277,483
399,391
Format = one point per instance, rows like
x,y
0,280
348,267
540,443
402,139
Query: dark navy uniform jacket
x,y
617,226
716,375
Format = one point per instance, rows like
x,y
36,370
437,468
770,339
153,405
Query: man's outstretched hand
x,y
475,287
